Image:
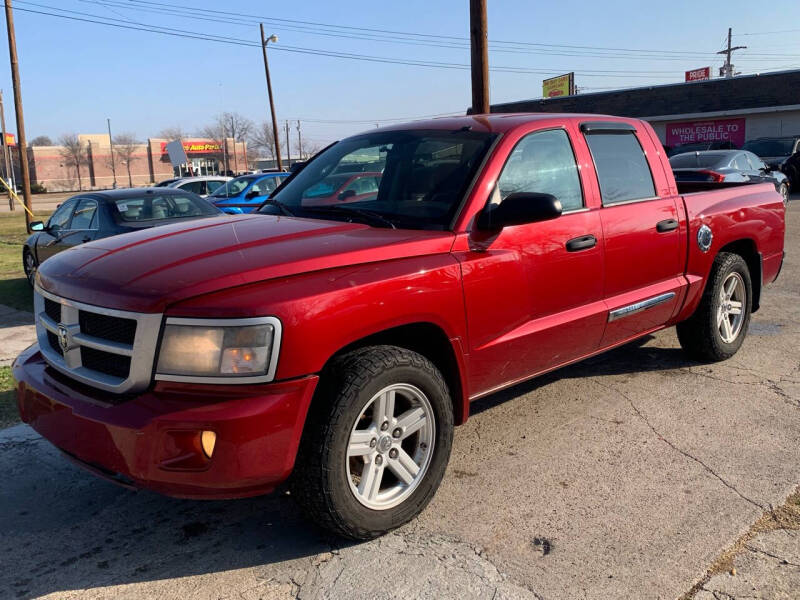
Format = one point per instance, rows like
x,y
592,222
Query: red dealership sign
x,y
196,147
714,130
698,74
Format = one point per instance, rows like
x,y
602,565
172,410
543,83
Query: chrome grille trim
x,y
142,352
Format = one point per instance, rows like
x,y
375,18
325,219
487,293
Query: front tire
x,y
718,327
376,443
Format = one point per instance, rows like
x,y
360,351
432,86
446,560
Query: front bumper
x,y
145,440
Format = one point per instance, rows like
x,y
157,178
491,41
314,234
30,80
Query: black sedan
x,y
96,215
726,166
779,153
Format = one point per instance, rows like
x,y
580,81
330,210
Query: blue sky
x,y
75,74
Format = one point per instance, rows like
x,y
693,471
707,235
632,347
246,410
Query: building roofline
x,y
661,86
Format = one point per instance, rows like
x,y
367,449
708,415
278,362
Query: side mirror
x,y
518,209
251,195
347,194
37,226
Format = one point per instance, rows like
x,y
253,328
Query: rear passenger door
x,y
641,233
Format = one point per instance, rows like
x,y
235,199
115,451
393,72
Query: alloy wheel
x,y
390,446
730,313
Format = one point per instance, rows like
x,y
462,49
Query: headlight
x,y
219,350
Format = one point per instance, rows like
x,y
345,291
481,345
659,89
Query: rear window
x,y
621,166
153,207
693,160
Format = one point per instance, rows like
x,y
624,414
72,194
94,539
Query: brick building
x,y
736,109
149,163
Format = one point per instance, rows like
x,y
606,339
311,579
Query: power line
x,y
99,20
357,33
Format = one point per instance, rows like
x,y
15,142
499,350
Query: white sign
x,y
177,155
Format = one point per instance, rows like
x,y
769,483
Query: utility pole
x,y
299,142
288,147
479,45
22,145
113,160
273,38
728,68
6,157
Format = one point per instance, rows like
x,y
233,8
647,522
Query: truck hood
x,y
148,270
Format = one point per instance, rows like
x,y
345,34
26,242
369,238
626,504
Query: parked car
x,y
203,186
727,166
167,182
341,347
342,187
95,215
701,147
246,193
779,153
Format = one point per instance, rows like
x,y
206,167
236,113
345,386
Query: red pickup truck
x,y
340,343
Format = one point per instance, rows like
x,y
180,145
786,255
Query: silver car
x,y
202,186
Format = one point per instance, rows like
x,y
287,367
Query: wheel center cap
x,y
385,443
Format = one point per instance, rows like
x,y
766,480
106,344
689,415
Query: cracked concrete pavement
x,y
625,476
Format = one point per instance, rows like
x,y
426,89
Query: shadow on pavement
x,y
65,530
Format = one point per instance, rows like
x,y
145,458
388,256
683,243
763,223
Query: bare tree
x,y
228,125
41,140
262,139
73,153
125,146
172,133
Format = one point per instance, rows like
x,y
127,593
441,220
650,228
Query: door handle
x,y
86,239
581,243
666,225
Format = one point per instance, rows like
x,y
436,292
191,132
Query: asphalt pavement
x,y
629,475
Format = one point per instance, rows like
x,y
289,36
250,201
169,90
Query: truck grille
x,y
108,349
106,362
114,329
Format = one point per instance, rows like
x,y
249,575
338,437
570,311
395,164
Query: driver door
x,y
534,292
51,240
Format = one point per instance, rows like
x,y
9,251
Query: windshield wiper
x,y
283,208
371,217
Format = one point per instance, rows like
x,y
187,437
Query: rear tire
x,y
783,190
705,336
376,443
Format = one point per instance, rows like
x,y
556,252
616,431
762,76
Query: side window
x,y
60,219
363,185
621,167
85,216
740,163
756,163
213,185
196,187
543,163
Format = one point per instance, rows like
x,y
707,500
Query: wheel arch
x,y
747,249
431,341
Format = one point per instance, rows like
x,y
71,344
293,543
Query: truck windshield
x,y
770,147
413,179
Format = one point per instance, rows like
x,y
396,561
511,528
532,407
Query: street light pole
x,y
113,160
264,41
22,145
